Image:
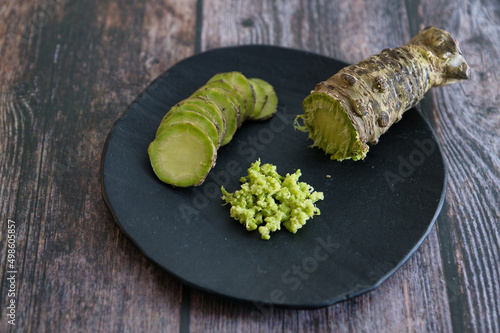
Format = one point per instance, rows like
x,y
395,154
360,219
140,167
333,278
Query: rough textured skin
x,y
377,91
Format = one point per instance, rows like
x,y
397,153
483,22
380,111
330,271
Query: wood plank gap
x,y
414,21
456,296
443,222
185,315
198,26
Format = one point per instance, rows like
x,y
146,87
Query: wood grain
x,y
467,121
337,29
70,70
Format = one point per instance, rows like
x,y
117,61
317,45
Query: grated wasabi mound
x,y
266,200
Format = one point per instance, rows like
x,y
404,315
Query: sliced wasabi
x,y
182,155
271,104
233,94
192,130
181,106
208,109
188,116
260,98
227,108
242,85
209,106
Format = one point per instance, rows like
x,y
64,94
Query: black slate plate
x,y
376,212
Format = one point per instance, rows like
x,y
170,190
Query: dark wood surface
x,y
68,69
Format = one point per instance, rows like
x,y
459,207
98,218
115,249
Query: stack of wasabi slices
x,y
189,135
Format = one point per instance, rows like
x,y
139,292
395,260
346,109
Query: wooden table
x,y
69,68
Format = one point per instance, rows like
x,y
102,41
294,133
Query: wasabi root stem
x,y
348,112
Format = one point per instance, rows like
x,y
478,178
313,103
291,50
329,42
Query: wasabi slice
x,y
208,105
233,94
182,155
271,104
228,109
242,85
181,106
193,117
208,109
260,98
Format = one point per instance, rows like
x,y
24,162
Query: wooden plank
x,y
68,71
467,119
415,298
332,28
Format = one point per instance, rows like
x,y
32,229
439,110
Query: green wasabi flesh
x,y
207,108
242,85
260,98
233,94
270,106
227,108
181,106
330,128
188,116
182,155
266,200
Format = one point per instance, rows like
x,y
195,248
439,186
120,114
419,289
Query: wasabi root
x,y
267,201
348,112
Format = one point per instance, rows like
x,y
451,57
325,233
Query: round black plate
x,y
375,214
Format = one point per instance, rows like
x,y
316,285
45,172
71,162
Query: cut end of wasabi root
x,y
267,201
330,128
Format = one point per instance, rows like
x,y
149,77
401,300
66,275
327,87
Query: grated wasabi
x,y
268,200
